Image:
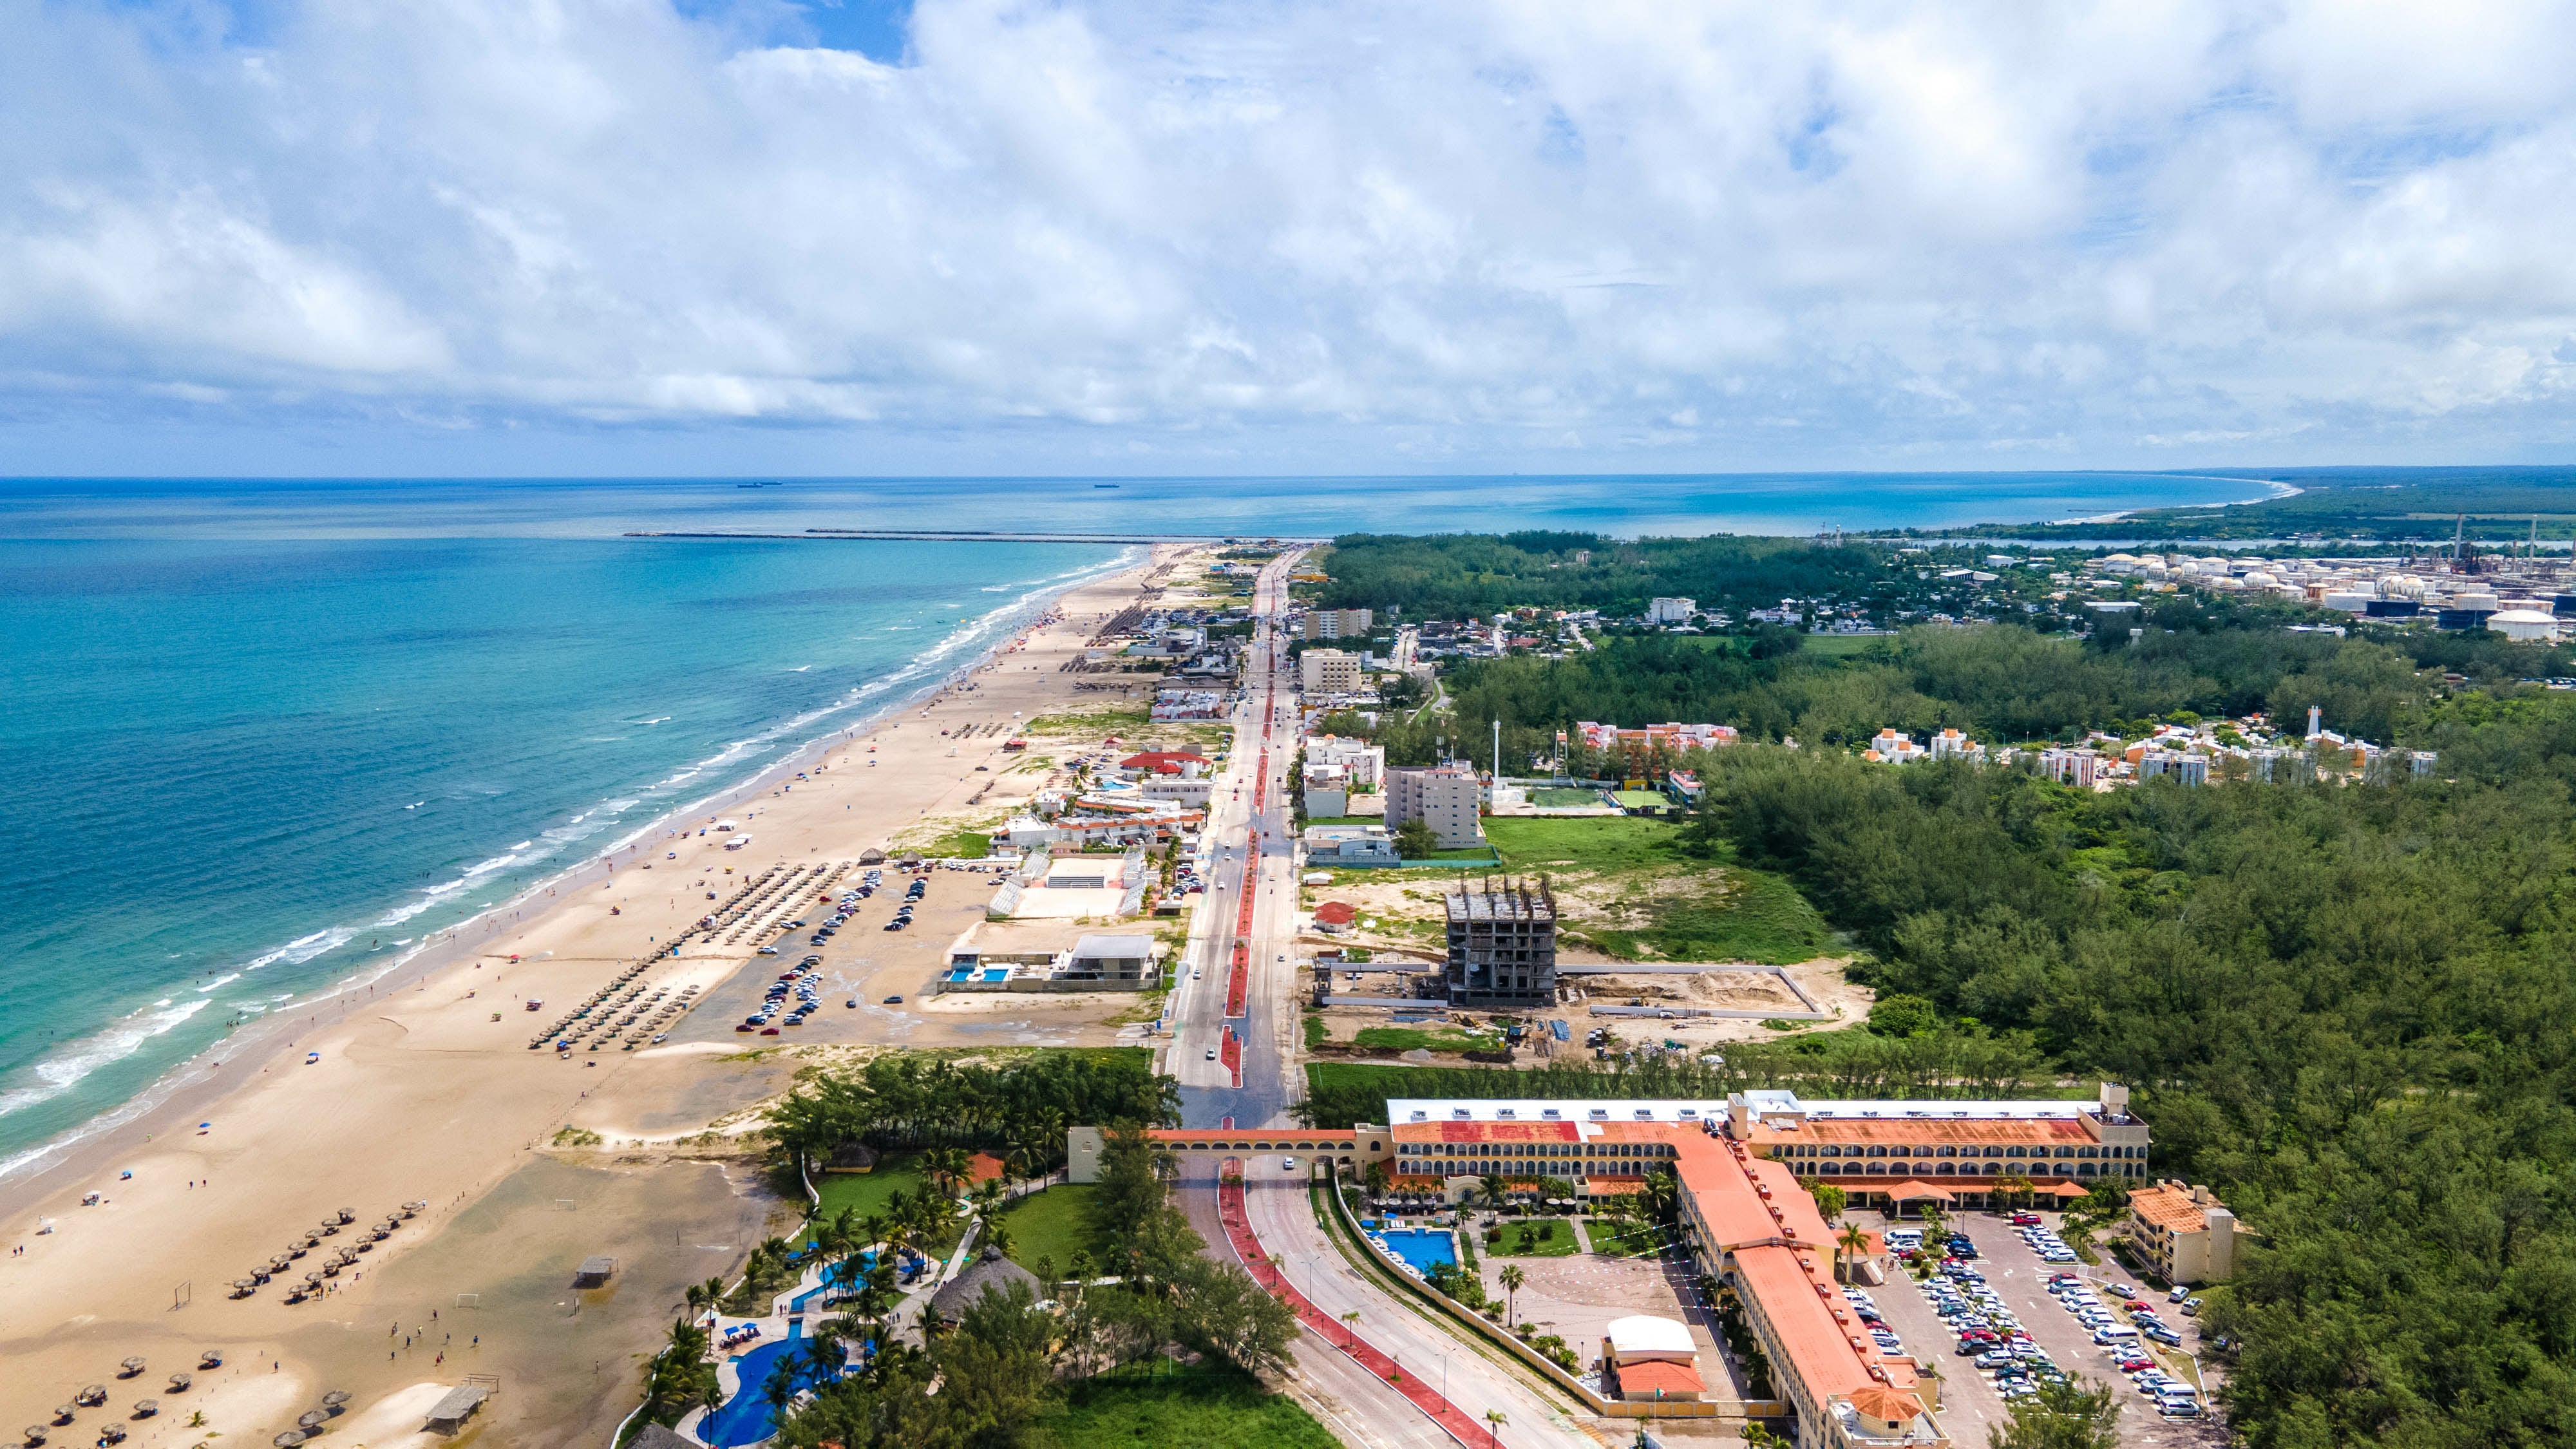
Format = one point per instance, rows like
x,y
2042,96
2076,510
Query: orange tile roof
x,y
2169,1207
1886,1404
1501,1132
1677,1380
2001,1131
983,1167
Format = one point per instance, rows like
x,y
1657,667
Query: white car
x,y
1211,1053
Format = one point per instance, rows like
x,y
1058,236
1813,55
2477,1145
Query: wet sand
x,y
425,1089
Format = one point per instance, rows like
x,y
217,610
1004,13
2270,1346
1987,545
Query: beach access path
x,y
420,1093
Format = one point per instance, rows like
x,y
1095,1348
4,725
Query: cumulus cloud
x,y
1632,235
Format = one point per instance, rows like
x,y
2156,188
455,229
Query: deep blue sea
x,y
259,738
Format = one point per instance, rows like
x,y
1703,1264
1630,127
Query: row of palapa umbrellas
x,y
336,1259
96,1394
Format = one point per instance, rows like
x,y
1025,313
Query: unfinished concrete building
x,y
1502,945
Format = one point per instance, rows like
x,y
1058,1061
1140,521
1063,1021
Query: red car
x,y
2025,1220
769,1031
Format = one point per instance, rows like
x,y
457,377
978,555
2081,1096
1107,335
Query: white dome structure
x,y
2527,625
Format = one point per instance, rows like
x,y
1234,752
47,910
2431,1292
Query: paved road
x,y
1283,1217
1255,851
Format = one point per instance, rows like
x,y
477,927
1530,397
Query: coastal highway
x,y
1255,854
1251,1083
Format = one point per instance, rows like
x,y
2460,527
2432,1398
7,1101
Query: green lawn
x,y
866,1192
1551,1238
1201,1408
1595,842
1550,798
1051,1224
1623,1240
1406,1039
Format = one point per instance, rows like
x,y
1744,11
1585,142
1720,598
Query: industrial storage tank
x,y
2528,625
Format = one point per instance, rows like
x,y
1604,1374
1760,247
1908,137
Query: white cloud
x,y
1319,236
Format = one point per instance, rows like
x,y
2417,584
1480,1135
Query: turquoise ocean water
x,y
260,738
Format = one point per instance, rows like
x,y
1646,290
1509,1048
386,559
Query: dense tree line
x,y
1996,682
1020,1106
1458,576
2344,1007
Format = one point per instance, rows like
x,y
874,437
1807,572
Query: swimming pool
x,y
746,1418
1422,1247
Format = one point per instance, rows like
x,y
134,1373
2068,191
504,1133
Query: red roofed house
x,y
1186,764
983,1167
1335,916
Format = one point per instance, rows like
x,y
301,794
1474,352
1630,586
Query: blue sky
x,y
630,236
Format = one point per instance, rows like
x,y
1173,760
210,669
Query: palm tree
x,y
1511,1278
988,1196
1496,1191
697,1297
1497,1419
1351,1326
997,1236
1852,1240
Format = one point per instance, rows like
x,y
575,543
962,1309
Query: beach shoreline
x,y
409,1062
194,1083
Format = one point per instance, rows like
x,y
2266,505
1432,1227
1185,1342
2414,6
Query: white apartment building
x,y
1328,671
1336,624
1671,611
1442,797
1365,763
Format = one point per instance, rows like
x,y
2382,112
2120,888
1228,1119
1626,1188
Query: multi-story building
x,y
1952,745
1893,747
2079,768
1328,671
1977,1154
1335,624
1365,762
2190,769
1443,797
1745,1219
2185,1233
1502,945
1671,611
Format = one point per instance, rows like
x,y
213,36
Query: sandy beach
x,y
423,1088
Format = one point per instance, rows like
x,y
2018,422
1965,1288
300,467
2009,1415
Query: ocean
x,y
261,738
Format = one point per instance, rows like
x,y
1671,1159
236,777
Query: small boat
x,y
311,1057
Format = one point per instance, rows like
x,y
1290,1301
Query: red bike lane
x,y
1247,1247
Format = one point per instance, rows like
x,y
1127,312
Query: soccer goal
x,y
469,1300
183,1295
564,1204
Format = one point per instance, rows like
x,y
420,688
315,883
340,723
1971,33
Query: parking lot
x,y
2015,1294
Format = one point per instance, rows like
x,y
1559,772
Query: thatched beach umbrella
x,y
311,1420
336,1400
132,1366
281,1260
212,1358
93,1395
65,1413
348,1215
244,1287
35,1433
289,1439
146,1408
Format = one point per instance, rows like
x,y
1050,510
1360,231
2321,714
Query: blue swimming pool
x,y
746,1418
1422,1247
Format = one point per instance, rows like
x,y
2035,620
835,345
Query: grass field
x,y
1051,1224
1219,1409
1549,1237
866,1192
1623,1240
1845,645
1757,916
1406,1039
1090,721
